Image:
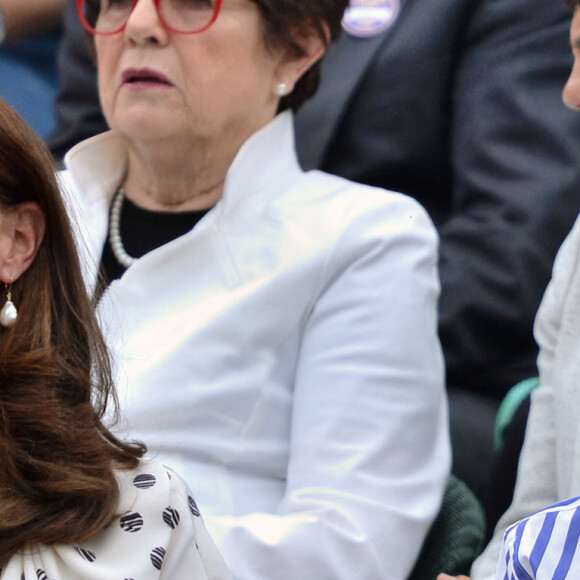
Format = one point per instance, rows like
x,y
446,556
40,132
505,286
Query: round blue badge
x,y
365,18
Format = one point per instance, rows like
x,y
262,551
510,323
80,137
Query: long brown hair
x,y
57,484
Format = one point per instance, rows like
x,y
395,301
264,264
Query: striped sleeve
x,y
543,546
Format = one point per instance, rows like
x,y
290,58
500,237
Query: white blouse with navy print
x,y
159,534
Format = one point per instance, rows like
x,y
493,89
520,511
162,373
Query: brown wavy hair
x,y
283,23
57,484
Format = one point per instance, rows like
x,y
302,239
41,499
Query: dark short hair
x,y
571,4
285,21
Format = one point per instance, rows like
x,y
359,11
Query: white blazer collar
x,y
98,165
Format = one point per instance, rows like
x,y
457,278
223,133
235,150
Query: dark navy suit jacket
x,y
459,105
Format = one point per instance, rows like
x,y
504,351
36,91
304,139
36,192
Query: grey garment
x,y
549,468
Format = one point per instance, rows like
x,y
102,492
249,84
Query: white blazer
x,y
283,357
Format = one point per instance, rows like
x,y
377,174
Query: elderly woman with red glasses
x,y
275,330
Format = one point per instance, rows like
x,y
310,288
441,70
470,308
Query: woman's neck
x,y
176,179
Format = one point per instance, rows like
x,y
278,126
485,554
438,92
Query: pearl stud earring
x,y
282,89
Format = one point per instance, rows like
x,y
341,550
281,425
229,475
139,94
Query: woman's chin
x,y
147,126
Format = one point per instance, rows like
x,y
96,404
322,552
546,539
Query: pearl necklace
x,y
115,230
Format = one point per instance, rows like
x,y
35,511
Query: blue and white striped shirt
x,y
543,546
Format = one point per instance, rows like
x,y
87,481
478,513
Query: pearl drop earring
x,y
282,89
8,314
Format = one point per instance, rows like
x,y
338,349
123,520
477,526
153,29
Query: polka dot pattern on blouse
x,y
159,534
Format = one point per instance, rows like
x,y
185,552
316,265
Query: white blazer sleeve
x,y
369,450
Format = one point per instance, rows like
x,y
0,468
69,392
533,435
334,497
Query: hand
x,y
447,577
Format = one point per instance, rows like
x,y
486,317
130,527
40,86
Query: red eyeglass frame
x,y
89,28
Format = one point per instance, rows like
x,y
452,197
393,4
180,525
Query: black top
x,y
142,231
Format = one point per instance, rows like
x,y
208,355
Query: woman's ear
x,y
292,66
21,233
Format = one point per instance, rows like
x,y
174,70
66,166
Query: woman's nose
x,y
571,92
144,21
